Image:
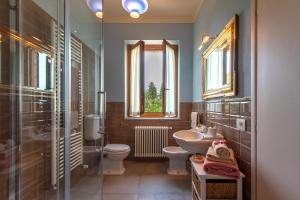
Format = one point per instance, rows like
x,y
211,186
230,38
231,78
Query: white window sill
x,y
153,118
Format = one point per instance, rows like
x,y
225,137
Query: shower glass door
x,y
50,79
29,60
84,124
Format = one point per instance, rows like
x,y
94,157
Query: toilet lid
x,y
116,147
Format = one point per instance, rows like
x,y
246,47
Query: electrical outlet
x,y
85,166
241,124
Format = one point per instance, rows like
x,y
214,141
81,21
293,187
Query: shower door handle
x,y
102,111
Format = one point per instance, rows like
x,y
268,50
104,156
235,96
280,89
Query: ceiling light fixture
x,y
135,7
96,7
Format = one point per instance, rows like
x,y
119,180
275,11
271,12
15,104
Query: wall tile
x,y
232,120
246,169
219,107
120,130
226,108
245,139
210,107
225,119
245,154
224,115
245,108
234,108
235,147
231,133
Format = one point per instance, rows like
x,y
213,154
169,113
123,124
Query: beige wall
x,y
278,136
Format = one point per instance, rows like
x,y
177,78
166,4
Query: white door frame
x,y
253,99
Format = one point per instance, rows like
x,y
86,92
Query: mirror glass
x,y
219,64
218,67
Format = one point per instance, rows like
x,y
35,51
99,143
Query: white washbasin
x,y
192,141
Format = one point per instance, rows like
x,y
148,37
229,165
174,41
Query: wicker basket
x,y
196,182
219,189
194,197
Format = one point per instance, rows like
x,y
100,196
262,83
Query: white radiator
x,y
150,141
57,139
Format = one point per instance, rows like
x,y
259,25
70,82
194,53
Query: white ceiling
x,y
87,27
160,11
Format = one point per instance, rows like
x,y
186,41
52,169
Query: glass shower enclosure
x,y
51,83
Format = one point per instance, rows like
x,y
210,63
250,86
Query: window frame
x,y
151,47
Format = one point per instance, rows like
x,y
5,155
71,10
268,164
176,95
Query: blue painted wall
x,y
213,16
115,36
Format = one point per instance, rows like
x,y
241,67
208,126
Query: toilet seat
x,y
116,148
175,150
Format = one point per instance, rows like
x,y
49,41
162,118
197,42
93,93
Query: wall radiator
x,y
150,141
76,136
75,152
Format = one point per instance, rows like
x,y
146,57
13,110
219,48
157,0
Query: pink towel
x,y
222,169
216,142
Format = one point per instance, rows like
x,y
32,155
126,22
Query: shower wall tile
x,y
4,12
35,118
35,114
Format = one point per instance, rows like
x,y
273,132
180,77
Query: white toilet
x,y
114,155
177,160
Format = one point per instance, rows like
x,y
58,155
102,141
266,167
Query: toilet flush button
x,y
241,124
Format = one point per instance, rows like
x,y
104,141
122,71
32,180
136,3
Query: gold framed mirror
x,y
219,63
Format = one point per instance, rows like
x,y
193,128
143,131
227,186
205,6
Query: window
x,y
152,79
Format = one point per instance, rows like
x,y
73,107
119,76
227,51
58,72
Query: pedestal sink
x,y
192,141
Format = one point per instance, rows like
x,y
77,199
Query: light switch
x,y
241,124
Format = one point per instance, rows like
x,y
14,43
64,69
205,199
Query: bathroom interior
x,y
149,99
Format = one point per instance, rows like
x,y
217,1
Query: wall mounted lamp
x,y
205,40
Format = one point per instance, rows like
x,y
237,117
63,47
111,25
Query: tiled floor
x,y
142,181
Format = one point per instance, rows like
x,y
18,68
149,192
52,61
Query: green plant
x,y
153,101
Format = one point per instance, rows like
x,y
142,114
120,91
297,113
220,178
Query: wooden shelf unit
x,y
203,183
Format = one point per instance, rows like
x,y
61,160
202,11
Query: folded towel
x,y
222,169
220,141
212,156
222,150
